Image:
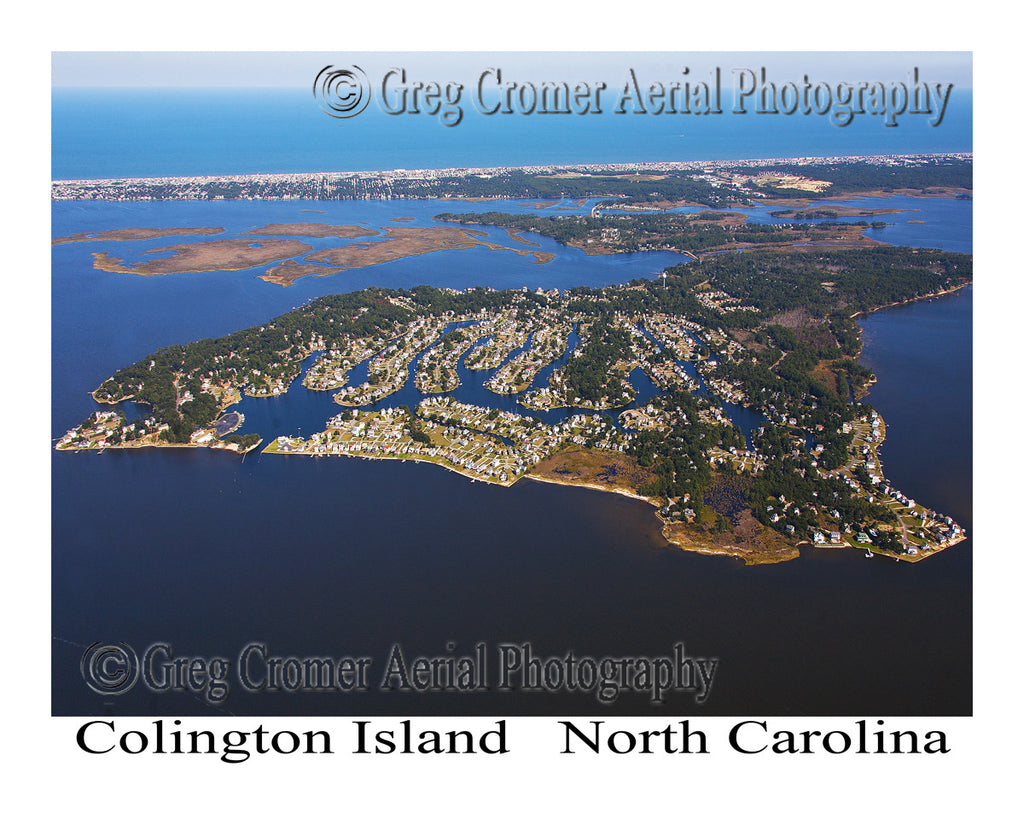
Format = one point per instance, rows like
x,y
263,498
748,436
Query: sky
x,y
297,69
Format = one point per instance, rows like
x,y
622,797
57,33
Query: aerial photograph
x,y
511,384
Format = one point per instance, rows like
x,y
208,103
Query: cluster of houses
x,y
731,390
268,384
106,428
742,460
647,417
509,333
720,301
833,537
556,394
389,369
546,344
673,332
500,446
438,368
330,370
480,443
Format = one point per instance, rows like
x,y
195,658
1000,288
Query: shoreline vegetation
x,y
639,190
772,329
711,183
585,451
284,254
922,297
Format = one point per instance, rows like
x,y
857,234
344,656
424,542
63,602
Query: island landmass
x,y
295,257
222,254
772,329
708,183
134,234
624,190
706,335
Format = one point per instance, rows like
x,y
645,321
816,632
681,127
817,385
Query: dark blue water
x,y
947,224
924,394
116,133
745,419
337,556
301,411
103,321
943,223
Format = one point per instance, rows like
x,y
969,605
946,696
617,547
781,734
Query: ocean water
x,y
115,133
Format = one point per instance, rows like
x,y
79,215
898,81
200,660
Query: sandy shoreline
x,y
935,295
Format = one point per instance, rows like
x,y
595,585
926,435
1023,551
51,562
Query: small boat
x,y
867,553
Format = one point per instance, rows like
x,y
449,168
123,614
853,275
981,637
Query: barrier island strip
x,y
644,191
709,183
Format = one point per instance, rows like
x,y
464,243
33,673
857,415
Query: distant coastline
x,y
286,184
638,325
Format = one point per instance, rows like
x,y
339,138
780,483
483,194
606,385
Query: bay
x,y
338,557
